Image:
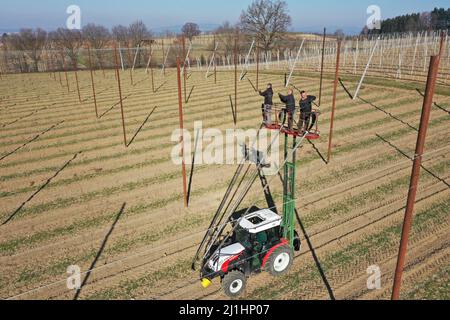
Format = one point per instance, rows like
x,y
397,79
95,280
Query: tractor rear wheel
x,y
280,261
234,283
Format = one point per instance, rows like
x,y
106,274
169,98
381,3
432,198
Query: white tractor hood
x,y
216,262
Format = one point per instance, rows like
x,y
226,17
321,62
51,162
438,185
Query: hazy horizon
x,y
170,15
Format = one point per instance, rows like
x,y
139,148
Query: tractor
x,y
242,243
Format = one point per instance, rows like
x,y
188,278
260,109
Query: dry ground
x,y
72,194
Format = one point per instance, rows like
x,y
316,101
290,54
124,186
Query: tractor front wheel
x,y
280,261
234,283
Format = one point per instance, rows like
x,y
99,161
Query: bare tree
x,y
169,34
138,33
121,34
191,30
225,35
98,38
69,41
425,20
339,33
31,43
266,20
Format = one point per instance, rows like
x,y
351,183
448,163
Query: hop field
x,y
71,193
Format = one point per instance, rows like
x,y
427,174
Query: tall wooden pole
x,y
322,65
257,66
76,79
153,79
65,71
184,69
59,70
236,77
92,81
164,56
415,176
442,45
129,63
120,96
180,111
215,65
333,108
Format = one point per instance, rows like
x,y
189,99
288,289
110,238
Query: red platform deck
x,y
313,135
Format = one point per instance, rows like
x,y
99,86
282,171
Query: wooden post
x,y
120,95
99,58
163,57
129,63
215,66
356,54
257,65
65,71
355,96
59,71
236,77
294,64
180,111
149,59
415,176
322,65
92,81
333,109
135,56
184,69
76,79
153,79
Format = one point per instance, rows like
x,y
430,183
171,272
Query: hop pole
x,y
120,95
322,65
180,110
257,65
407,224
65,71
151,73
236,78
333,109
76,79
129,62
92,81
215,65
184,69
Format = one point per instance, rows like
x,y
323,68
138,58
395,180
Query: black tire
x,y
234,283
297,242
280,261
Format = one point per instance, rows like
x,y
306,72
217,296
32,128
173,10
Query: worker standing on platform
x,y
289,100
306,112
268,103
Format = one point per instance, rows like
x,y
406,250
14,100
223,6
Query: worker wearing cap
x,y
289,100
268,103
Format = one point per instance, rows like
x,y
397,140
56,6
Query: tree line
x,y
265,20
438,19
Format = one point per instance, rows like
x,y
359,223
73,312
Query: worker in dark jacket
x,y
289,100
306,112
268,103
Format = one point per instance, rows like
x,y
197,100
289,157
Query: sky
x,y
307,16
